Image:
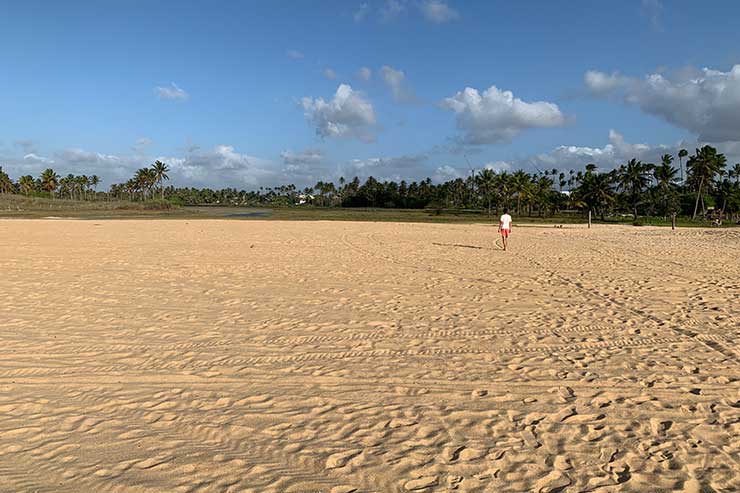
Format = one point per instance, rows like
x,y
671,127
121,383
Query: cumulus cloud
x,y
347,115
497,116
600,83
82,158
307,156
364,74
396,82
222,166
616,152
705,102
438,11
330,74
171,92
498,166
446,173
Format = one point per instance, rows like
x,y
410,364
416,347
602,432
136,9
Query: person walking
x,y
504,227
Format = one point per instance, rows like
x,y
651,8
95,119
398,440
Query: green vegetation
x,y
27,206
634,193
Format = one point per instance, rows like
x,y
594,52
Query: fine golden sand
x,y
178,356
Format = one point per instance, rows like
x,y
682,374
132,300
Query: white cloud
x,y
705,102
34,158
347,115
330,74
294,54
601,83
364,74
388,163
438,11
362,12
80,157
446,173
616,152
221,167
307,156
497,116
498,166
396,82
171,92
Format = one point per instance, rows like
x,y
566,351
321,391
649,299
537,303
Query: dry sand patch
x,y
370,357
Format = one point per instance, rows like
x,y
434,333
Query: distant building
x,y
304,198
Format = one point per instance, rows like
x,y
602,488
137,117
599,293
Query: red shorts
x,y
505,233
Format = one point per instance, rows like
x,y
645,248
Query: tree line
x,y
702,180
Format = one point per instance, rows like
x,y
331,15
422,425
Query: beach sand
x,y
179,356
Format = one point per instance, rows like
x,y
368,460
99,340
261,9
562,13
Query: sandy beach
x,y
257,356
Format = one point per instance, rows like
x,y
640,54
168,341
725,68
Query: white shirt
x,y
505,221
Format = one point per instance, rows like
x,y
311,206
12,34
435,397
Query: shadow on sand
x,y
459,245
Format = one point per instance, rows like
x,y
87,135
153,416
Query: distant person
x,y
504,227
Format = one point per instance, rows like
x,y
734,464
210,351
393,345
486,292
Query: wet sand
x,y
250,356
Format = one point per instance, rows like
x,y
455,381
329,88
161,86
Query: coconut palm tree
x,y
735,172
682,154
542,192
83,183
519,183
144,180
665,189
49,181
160,173
6,184
701,169
27,184
596,191
633,179
486,181
94,181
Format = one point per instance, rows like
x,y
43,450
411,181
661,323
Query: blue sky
x,y
246,94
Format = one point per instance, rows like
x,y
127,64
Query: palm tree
x,y
94,181
596,191
682,154
83,182
49,181
160,172
542,192
702,167
665,178
633,178
519,184
27,184
735,172
144,180
486,181
6,184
